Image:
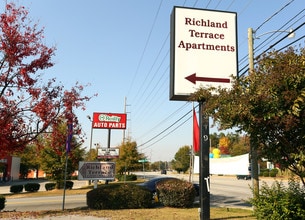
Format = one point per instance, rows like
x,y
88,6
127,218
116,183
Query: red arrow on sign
x,y
193,78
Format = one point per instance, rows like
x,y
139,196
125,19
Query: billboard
x,y
109,120
203,50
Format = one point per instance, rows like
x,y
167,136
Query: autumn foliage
x,y
29,105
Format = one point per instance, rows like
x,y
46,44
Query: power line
x,y
281,39
168,133
286,35
278,31
166,119
274,14
151,139
144,50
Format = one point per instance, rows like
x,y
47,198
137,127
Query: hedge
x,y
119,196
176,193
16,188
31,187
2,202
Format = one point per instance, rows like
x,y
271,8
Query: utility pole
x,y
253,151
125,112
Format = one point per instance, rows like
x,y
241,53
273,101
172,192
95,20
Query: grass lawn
x,y
132,214
137,214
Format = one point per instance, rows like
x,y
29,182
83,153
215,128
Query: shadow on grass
x,y
235,217
228,201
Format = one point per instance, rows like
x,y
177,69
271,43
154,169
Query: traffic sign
x,y
143,161
96,171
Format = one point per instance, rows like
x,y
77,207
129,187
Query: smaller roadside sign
x,y
108,153
143,161
96,170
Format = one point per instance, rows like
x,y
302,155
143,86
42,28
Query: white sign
x,y
96,170
238,165
108,152
203,50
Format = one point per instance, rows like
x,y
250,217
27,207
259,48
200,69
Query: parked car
x,y
151,184
163,171
243,177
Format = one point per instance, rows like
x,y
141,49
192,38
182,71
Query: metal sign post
x,y
204,176
143,161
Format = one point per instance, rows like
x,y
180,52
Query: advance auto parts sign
x,y
109,120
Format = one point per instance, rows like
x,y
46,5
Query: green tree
x,y
155,165
240,146
160,165
268,104
91,155
52,159
181,163
128,158
214,140
29,160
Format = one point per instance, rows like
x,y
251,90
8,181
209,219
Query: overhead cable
x,y
281,9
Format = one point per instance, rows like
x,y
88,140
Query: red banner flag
x,y
196,131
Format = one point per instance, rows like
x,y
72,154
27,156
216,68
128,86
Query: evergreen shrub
x,y
266,173
2,202
176,193
50,186
262,171
119,196
122,177
278,202
60,184
32,187
273,172
16,188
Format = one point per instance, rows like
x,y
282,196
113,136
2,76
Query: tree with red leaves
x,y
29,106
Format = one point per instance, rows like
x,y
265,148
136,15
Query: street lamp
x,y
253,152
291,33
91,133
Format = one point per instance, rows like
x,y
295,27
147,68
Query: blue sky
x,y
122,49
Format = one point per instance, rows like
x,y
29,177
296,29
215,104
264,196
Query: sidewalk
x,y
5,189
5,186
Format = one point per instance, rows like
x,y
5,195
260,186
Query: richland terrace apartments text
x,y
205,35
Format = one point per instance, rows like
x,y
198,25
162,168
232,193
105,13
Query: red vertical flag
x,y
195,132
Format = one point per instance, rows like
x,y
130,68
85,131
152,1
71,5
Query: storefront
x,y
9,168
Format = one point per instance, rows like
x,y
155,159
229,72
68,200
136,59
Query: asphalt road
x,y
45,203
42,203
226,191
